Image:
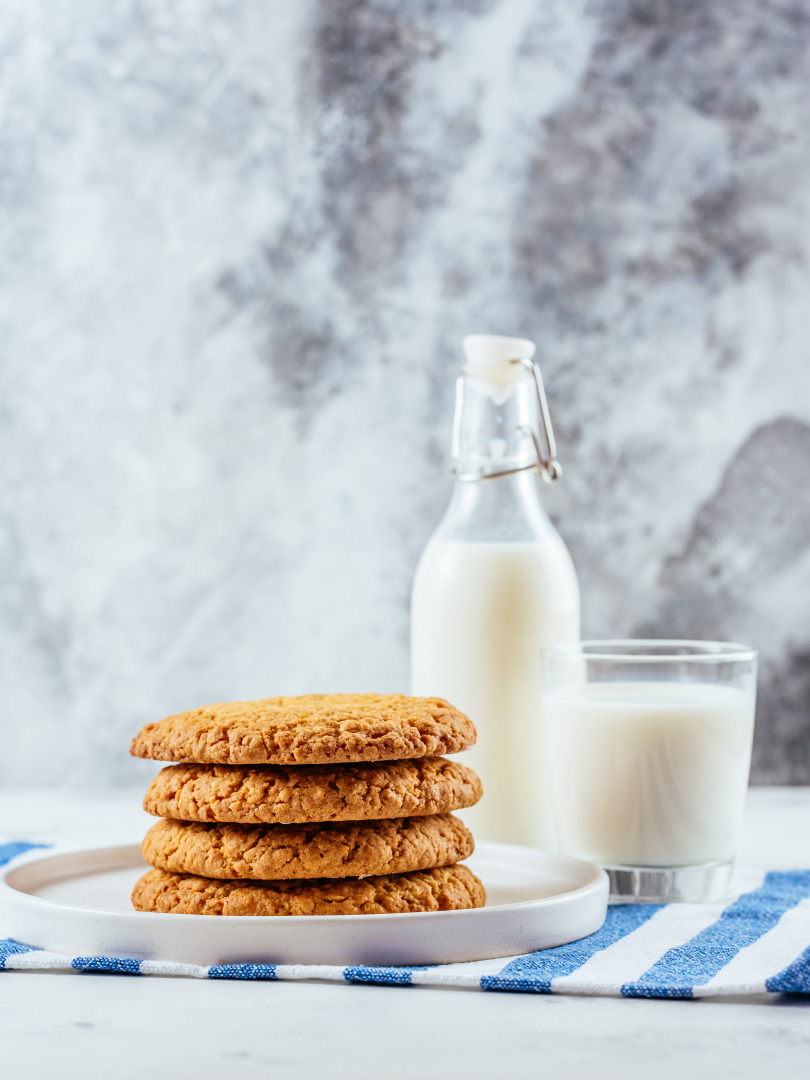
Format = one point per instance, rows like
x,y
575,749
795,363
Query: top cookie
x,y
313,729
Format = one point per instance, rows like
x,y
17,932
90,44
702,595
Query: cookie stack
x,y
325,804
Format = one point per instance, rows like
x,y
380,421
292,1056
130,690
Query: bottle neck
x,y
508,508
493,424
492,433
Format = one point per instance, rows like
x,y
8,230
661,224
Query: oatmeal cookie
x,y
331,849
292,794
315,729
447,888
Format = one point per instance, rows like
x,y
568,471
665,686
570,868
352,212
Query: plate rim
x,y
598,882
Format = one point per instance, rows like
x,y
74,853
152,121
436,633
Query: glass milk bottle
x,y
494,585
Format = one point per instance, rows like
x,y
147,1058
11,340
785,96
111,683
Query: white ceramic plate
x,y
77,902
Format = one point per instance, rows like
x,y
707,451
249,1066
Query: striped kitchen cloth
x,y
755,941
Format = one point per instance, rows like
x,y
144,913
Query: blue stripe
x,y
110,964
795,979
388,976
536,971
694,963
12,948
242,971
14,848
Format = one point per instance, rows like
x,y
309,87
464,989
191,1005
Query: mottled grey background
x,y
239,245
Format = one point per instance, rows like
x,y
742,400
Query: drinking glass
x,y
649,746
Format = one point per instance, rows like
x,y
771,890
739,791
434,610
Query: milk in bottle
x,y
494,585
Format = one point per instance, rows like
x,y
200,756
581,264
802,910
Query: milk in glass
x,y
650,773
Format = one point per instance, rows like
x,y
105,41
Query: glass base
x,y
665,884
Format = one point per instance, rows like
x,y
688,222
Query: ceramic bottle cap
x,y
491,357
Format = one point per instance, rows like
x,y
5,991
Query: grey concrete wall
x,y
239,245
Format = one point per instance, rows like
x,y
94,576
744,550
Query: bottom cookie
x,y
448,888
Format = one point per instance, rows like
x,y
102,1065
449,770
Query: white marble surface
x,y
76,1026
240,245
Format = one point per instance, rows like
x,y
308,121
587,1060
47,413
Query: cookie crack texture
x,y
317,850
311,729
295,794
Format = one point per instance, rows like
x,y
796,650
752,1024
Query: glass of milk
x,y
649,744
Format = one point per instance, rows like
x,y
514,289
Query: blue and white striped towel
x,y
756,941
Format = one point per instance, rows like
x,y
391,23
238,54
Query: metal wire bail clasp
x,y
546,464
